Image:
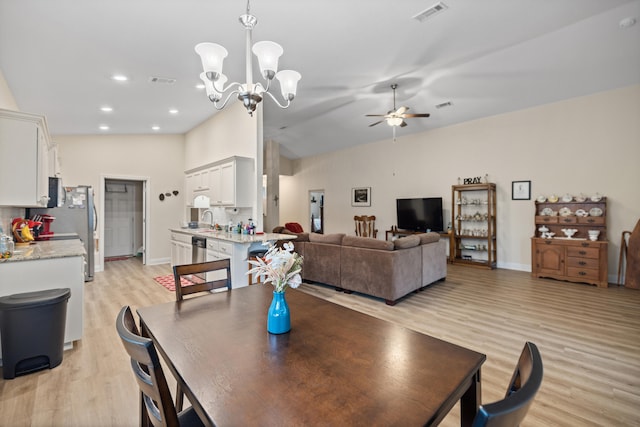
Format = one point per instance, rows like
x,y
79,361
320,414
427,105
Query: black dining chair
x,y
526,380
156,404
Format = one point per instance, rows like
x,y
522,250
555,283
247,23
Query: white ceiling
x,y
486,57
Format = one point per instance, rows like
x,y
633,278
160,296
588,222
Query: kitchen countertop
x,y
47,250
233,237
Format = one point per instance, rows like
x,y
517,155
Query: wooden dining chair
x,y
201,277
526,380
366,226
195,278
156,405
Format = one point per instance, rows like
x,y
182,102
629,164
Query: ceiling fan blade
x,y
375,115
416,115
401,110
403,124
378,122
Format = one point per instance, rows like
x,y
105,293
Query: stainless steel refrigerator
x,y
77,215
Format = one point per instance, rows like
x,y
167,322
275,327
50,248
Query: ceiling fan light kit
x,y
250,94
395,118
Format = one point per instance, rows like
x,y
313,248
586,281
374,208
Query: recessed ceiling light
x,y
120,77
106,109
155,127
104,127
173,111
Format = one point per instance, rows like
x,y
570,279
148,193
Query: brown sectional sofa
x,y
387,270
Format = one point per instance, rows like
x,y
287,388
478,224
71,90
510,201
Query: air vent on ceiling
x,y
162,80
428,13
444,104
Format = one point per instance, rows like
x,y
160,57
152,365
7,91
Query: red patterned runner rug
x,y
169,283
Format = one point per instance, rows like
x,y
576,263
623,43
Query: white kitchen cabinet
x,y
51,273
197,184
54,162
24,150
181,249
231,183
228,182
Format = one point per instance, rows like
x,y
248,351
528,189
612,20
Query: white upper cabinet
x,y
229,182
24,150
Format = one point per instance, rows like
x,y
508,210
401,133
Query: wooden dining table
x,y
336,366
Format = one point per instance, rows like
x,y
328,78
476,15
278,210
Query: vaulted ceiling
x,y
484,57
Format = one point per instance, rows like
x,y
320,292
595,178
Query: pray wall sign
x,y
476,180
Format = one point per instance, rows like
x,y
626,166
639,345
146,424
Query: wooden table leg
x,y
470,401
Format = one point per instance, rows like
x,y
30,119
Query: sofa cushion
x,y
332,239
278,229
367,242
407,242
429,237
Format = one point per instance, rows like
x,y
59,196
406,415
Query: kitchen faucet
x,y
204,213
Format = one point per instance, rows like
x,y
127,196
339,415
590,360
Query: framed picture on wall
x,y
521,190
361,196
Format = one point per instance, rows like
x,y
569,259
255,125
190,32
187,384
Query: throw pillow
x,y
407,242
293,226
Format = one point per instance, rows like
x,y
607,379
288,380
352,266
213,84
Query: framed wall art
x,y
361,196
521,190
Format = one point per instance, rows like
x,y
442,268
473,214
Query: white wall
x,y
231,132
85,159
588,144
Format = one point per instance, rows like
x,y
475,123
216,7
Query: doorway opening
x,y
316,210
124,225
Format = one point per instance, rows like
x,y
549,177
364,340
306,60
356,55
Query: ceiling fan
x,y
395,117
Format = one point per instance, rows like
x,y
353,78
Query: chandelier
x,y
250,93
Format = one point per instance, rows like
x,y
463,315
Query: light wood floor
x,y
589,339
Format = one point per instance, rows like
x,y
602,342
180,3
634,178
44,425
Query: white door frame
x,y
145,203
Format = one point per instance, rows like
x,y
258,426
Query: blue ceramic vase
x,y
278,318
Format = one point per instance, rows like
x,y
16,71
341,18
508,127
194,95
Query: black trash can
x,y
32,325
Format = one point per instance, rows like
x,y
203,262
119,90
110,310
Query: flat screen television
x,y
420,214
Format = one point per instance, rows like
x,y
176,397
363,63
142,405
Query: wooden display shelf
x,y
473,217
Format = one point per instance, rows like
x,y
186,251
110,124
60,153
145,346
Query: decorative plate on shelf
x,y
581,198
553,198
567,198
541,199
565,211
547,212
582,212
595,212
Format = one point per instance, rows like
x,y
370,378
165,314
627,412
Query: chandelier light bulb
x,y
288,83
268,54
212,56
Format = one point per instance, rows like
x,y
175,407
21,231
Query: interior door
x,y
119,220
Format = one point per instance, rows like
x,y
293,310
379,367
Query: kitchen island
x,y
219,245
49,265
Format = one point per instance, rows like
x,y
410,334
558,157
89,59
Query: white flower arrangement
x,y
280,266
